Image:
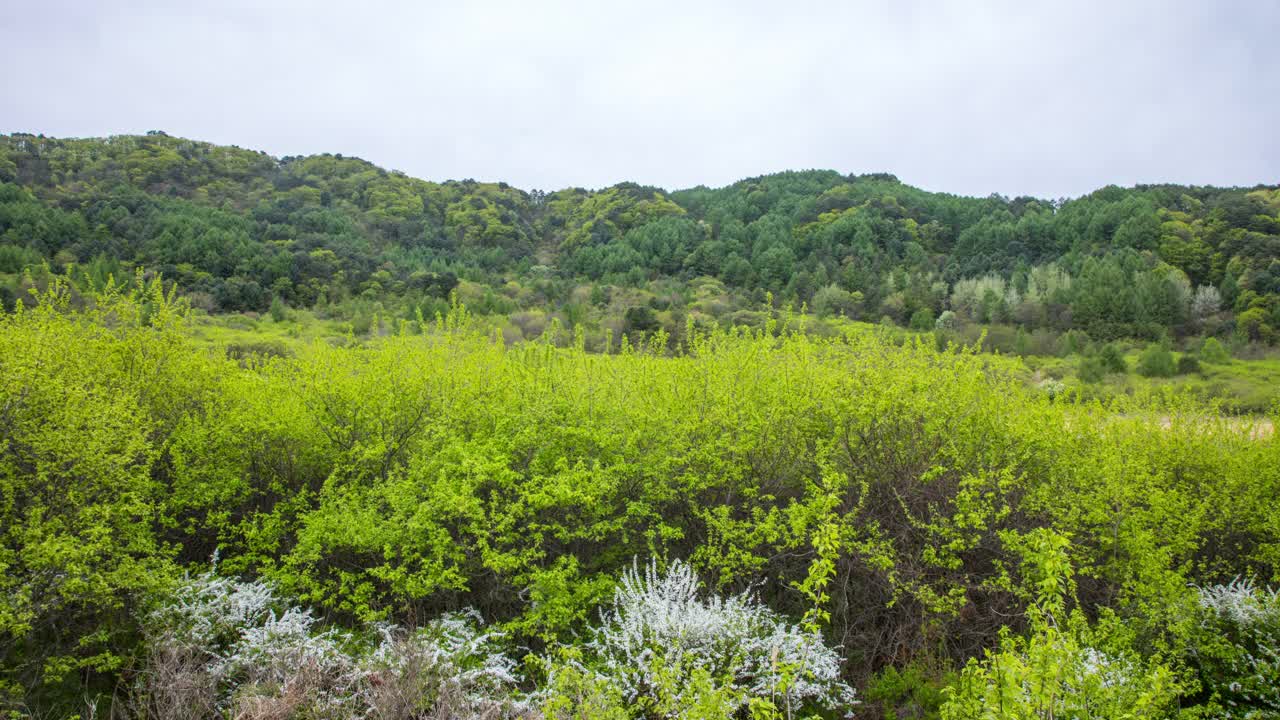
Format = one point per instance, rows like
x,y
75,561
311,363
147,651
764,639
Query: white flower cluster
x,y
1240,602
235,648
451,660
1052,388
454,639
210,611
1245,669
274,650
1107,671
253,649
659,619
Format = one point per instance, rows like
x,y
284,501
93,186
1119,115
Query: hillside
x,y
237,229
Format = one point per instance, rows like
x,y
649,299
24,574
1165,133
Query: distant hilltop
x,y
238,229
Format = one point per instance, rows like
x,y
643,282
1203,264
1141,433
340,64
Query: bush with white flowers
x,y
450,666
660,625
221,646
1237,650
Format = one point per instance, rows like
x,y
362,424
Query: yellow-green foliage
x,y
1056,672
86,402
486,215
598,217
881,490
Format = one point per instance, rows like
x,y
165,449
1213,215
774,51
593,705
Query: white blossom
x,y
661,618
1241,602
259,651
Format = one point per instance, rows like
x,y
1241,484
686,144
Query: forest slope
x,y
238,229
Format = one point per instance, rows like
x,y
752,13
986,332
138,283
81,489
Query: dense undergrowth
x,y
754,525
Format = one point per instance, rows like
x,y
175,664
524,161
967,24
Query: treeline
x,y
238,230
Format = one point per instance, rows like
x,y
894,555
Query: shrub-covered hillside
x,y
758,524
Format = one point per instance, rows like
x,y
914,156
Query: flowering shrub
x,y
210,612
244,649
1237,650
661,639
222,646
449,667
1052,388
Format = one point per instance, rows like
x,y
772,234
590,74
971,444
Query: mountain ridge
x,y
239,228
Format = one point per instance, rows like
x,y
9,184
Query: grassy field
x,y
1241,387
1238,387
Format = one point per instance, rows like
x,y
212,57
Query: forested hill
x,y
237,229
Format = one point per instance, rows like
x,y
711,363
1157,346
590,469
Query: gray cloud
x,y
1050,99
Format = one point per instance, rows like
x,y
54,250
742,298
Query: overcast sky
x,y
1051,99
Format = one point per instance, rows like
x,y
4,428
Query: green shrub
x,y
15,259
84,399
1112,359
639,319
279,312
1091,370
1075,342
910,693
1214,352
246,352
1044,342
1254,324
1156,361
833,300
362,323
1188,364
240,322
1055,672
922,320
